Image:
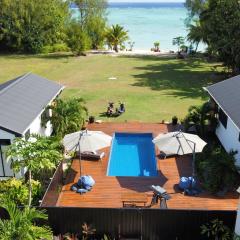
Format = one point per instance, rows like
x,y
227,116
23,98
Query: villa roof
x,y
23,99
227,96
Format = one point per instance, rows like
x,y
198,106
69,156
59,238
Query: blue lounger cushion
x,y
74,188
81,190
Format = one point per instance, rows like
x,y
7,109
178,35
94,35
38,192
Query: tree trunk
x,y
30,188
115,48
196,47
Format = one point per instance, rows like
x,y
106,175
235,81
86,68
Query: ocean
x,y
150,22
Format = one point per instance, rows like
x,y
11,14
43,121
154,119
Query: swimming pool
x,y
132,154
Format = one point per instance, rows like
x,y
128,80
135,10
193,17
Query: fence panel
x,y
146,224
180,224
53,191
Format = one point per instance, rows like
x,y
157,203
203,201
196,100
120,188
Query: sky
x,y
146,1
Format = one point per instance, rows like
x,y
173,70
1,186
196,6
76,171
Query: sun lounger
x,y
92,155
161,194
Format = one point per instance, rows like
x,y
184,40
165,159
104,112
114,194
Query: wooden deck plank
x,y
107,191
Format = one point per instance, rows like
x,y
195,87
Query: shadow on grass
x,y
185,78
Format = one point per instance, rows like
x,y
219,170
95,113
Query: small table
x,y
134,199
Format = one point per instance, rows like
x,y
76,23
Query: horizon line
x,y
131,1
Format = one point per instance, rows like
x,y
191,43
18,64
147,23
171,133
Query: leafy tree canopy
x,y
218,24
92,20
29,25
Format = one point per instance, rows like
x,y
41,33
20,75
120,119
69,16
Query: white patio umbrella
x,y
86,141
180,143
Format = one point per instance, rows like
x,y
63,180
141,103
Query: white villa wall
x,y
229,137
7,161
37,128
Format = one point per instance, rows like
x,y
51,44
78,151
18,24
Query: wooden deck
x,y
107,191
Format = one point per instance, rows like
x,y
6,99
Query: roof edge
x,y
206,89
222,81
11,131
14,83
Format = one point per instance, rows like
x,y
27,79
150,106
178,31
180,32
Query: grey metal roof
x,y
22,100
227,95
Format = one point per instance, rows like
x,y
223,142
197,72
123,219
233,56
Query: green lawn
x,y
153,89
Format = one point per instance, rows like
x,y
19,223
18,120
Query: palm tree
x,y
116,36
68,116
195,34
34,155
179,41
199,116
21,224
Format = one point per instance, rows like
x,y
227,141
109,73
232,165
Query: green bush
x,y
17,190
77,39
216,230
216,169
58,47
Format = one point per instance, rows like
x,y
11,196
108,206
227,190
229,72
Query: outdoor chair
x,y
161,194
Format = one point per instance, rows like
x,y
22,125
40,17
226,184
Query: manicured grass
x,y
153,89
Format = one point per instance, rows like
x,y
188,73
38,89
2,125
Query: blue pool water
x,y
132,155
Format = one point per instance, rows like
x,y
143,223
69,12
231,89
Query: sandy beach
x,y
135,52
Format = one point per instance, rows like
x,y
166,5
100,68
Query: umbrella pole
x,y
80,157
193,162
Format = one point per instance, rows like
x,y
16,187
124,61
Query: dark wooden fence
x,y
146,224
52,193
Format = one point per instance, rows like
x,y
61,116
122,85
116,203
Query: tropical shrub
x,y
216,230
68,116
87,231
202,118
34,154
17,190
58,47
216,169
22,224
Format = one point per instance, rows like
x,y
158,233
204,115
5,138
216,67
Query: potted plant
x,y
174,120
91,119
156,46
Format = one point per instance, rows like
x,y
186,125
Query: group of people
x,y
115,112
